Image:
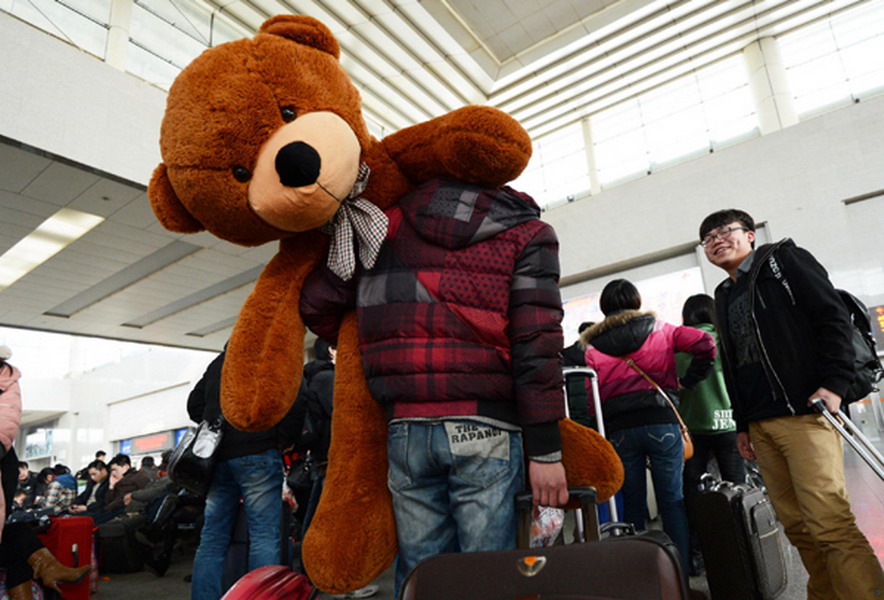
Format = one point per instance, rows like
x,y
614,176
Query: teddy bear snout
x,y
298,164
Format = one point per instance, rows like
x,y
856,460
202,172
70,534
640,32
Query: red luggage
x,y
69,539
270,583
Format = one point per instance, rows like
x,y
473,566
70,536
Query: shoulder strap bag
x,y
687,443
192,463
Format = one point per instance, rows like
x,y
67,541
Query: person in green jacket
x,y
706,411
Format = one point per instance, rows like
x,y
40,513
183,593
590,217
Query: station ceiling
x,y
549,63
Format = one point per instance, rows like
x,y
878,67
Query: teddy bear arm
x,y
476,144
352,536
264,361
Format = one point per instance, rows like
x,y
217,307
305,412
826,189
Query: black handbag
x,y
192,463
301,473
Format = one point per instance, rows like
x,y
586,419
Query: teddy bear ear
x,y
303,30
169,210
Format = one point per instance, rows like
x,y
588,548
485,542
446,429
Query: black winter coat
x,y
314,406
578,398
100,495
801,325
204,403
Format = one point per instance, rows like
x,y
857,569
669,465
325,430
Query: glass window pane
x,y
737,129
867,85
722,78
184,16
830,97
150,67
864,57
687,147
161,38
727,107
222,32
530,182
812,76
860,23
616,121
807,44
830,63
669,99
621,156
63,22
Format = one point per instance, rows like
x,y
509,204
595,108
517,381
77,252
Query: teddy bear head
x,y
262,138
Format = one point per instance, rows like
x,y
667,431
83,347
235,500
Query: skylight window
x,y
836,61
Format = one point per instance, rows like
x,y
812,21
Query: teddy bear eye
x,y
241,174
288,113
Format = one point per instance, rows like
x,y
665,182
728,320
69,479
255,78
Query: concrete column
x,y
595,187
118,36
770,89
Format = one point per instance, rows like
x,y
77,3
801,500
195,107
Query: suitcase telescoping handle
x,y
599,417
853,436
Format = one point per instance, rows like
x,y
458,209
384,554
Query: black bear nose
x,y
297,164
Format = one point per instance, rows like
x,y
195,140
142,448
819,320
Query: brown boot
x,y
52,572
21,592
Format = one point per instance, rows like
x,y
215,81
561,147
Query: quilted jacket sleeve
x,y
325,299
535,332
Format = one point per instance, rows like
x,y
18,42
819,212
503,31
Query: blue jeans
x,y
454,485
662,445
257,479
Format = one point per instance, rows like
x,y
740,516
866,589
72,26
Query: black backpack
x,y
866,365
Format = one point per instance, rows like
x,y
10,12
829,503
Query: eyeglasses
x,y
723,233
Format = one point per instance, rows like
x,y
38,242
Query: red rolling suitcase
x,y
69,539
270,583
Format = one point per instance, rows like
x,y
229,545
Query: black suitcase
x,y
119,550
741,542
236,564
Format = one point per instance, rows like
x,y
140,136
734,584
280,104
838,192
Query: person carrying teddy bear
x,y
459,325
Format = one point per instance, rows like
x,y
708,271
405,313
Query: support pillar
x,y
769,86
595,186
118,36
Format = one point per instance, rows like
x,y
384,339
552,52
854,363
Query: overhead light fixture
x,y
150,264
222,287
209,329
55,233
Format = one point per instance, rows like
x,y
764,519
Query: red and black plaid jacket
x,y
460,316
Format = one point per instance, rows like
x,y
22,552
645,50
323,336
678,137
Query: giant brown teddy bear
x,y
262,139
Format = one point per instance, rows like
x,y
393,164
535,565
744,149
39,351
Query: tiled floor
x,y
866,493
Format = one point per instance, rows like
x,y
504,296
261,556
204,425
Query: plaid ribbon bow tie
x,y
355,215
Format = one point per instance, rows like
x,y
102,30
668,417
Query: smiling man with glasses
x,y
785,340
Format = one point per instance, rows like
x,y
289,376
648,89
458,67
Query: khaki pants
x,y
802,463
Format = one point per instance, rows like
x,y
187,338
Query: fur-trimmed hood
x,y
621,333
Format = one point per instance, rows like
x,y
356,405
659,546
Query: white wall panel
x,y
65,101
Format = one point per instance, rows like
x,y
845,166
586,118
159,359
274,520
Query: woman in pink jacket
x,y
21,553
10,417
639,423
